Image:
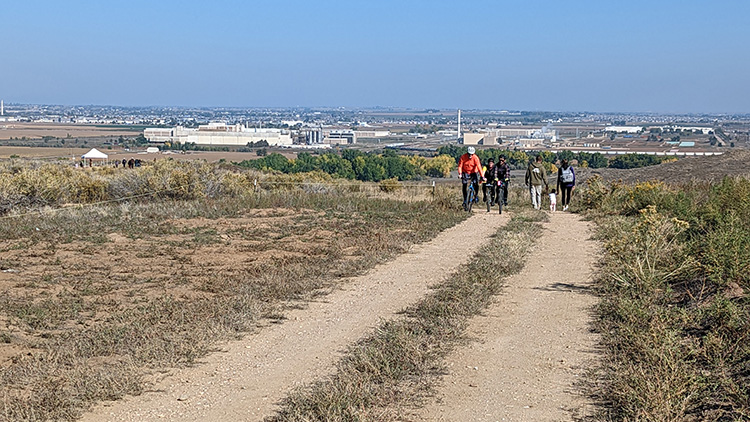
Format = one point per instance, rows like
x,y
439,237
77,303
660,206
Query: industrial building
x,y
481,138
219,134
524,136
314,136
331,137
372,133
624,129
340,137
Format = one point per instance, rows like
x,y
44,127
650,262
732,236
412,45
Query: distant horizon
x,y
415,108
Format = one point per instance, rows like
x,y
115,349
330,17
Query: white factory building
x,y
219,134
525,136
624,129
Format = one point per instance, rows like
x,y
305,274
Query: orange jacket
x,y
469,165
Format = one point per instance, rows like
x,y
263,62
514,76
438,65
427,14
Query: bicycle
x,y
494,195
471,193
471,196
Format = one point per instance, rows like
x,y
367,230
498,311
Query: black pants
x,y
504,190
565,192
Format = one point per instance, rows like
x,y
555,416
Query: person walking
x,y
503,175
552,201
536,176
566,183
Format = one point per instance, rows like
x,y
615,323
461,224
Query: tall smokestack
x,y
459,124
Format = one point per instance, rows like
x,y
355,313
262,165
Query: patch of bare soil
x,y
534,343
119,271
247,378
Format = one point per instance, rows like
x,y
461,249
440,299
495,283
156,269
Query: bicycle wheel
x,y
490,198
470,199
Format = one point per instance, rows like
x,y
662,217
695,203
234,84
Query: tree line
x,y
354,164
520,159
377,166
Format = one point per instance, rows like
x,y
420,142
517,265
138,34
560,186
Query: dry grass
x,y
675,313
95,298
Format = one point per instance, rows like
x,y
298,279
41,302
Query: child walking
x,y
552,201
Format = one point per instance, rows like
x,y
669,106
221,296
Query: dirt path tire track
x,y
534,343
247,379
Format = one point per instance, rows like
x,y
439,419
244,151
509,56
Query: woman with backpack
x,y
566,183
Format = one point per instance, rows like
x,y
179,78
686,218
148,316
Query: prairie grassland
x,y
675,313
111,276
393,369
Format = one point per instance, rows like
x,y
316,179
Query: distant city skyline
x,y
664,56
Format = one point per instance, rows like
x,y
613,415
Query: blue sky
x,y
576,55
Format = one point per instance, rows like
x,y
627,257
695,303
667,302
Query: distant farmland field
x,y
10,130
118,153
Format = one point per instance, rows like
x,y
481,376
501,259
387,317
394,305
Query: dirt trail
x,y
245,381
533,343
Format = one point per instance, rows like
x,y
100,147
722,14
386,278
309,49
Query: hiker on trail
x,y
124,163
469,167
503,175
552,201
536,176
566,183
490,177
131,163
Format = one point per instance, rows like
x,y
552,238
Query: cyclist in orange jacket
x,y
469,167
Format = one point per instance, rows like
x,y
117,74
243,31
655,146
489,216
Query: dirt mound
x,y
715,167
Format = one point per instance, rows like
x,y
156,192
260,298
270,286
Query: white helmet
x,y
471,150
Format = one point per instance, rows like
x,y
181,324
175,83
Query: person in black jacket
x,y
566,183
490,177
503,174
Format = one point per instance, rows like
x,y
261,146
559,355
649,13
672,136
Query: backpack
x,y
567,175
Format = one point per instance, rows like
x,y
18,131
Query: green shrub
x,y
675,313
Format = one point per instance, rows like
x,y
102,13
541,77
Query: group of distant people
x,y
132,163
536,176
471,171
495,178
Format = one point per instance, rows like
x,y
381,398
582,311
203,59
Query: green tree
x,y
373,171
304,163
440,166
565,155
333,164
